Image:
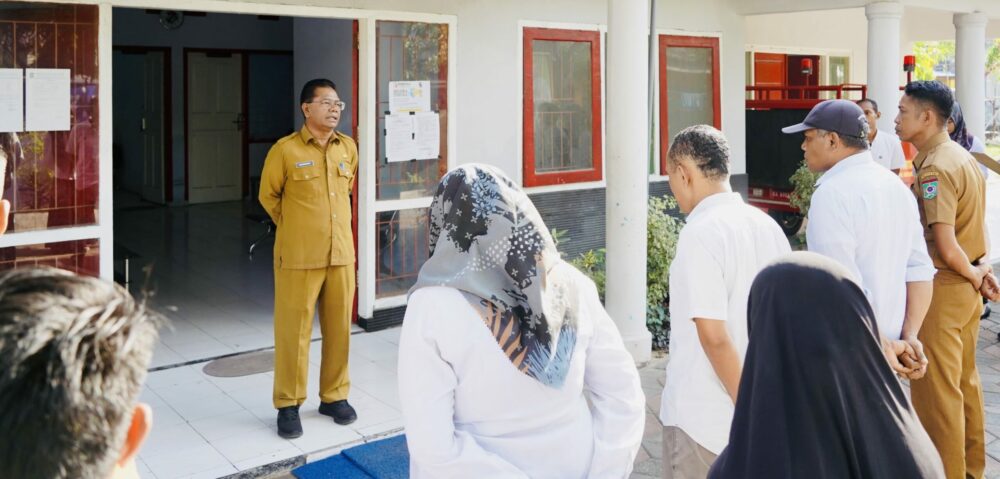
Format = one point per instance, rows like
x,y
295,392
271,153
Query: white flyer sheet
x,y
400,144
12,100
427,128
47,99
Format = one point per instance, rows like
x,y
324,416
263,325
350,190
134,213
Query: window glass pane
x,y
562,94
690,96
81,257
52,177
839,73
410,51
403,247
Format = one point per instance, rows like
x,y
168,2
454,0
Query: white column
x,y
884,63
970,70
627,171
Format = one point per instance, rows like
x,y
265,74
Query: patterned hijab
x,y
488,241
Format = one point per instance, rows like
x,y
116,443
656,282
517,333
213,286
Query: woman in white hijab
x,y
501,341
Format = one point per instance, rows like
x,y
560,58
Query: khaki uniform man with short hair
x,y
951,195
306,188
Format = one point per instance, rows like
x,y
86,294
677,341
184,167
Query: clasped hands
x,y
906,356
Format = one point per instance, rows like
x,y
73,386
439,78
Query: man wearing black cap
x,y
862,216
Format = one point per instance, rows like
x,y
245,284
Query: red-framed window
x,y
562,106
689,86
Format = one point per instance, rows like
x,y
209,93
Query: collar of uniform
x,y
712,201
308,137
933,142
842,165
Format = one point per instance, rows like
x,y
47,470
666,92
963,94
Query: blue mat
x,y
384,459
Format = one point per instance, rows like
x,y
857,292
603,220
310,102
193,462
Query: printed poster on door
x,y
409,96
412,136
47,99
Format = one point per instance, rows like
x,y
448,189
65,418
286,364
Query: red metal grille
x,y
409,51
53,178
81,257
403,247
562,132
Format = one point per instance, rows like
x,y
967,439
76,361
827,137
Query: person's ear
x,y
138,431
305,110
832,140
926,118
878,115
685,174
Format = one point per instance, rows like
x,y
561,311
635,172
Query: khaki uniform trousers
x,y
296,292
949,399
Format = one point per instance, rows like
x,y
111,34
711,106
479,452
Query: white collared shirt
x,y
866,219
723,246
469,413
887,151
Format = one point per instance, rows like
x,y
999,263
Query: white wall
x,y
489,67
133,27
848,29
814,33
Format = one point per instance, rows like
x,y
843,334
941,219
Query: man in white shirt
x,y
862,216
885,147
723,246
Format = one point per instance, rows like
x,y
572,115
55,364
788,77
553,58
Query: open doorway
x,y
199,99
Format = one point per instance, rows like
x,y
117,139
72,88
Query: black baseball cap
x,y
842,116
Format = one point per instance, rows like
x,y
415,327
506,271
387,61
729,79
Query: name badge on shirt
x,y
303,164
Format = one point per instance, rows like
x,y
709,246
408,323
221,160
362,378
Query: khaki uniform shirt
x,y
950,190
306,190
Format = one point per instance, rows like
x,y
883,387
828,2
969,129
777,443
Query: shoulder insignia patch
x,y
929,187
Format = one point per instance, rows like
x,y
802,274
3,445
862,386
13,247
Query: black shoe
x,y
289,425
341,412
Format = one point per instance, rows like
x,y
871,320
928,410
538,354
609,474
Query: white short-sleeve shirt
x,y
863,217
887,150
723,246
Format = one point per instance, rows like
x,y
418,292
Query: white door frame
x,y
367,208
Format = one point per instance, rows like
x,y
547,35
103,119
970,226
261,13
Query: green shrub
x,y
661,236
804,183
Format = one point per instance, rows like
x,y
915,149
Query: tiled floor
x,y
218,300
207,427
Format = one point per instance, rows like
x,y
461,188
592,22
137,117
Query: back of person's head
x,y
868,101
934,96
73,356
704,146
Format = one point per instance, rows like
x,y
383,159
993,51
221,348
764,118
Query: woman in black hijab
x,y
817,397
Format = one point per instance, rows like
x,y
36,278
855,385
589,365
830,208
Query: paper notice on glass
x,y
12,100
409,96
400,144
47,99
427,127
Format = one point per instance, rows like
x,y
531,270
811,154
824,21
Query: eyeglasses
x,y
331,104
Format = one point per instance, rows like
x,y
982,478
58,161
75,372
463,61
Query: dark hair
x,y
873,103
309,89
704,145
73,356
934,95
961,134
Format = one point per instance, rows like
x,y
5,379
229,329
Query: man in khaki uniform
x,y
951,194
305,188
